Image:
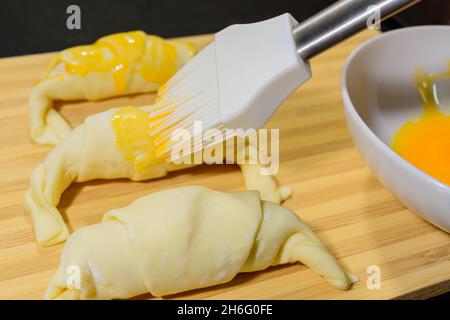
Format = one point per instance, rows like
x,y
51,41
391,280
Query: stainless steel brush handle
x,y
339,21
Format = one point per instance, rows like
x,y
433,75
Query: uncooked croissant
x,y
118,64
204,238
110,144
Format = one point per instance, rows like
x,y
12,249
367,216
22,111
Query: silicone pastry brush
x,y
243,76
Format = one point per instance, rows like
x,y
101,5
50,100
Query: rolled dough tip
x,y
285,192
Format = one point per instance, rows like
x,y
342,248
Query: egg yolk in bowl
x,y
425,142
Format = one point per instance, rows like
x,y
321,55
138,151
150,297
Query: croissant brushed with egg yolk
x,y
118,64
111,144
205,238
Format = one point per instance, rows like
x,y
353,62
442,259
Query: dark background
x,y
28,26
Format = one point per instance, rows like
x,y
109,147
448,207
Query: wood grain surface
x,y
361,222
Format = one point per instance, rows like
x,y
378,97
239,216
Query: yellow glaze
x,y
425,143
119,53
154,69
118,64
132,137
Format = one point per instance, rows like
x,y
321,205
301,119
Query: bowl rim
x,y
351,110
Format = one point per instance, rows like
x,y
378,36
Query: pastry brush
x,y
241,78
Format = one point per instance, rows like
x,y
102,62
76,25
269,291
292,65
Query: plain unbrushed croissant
x,y
118,64
204,238
111,144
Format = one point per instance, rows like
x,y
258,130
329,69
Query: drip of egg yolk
x,y
113,54
159,63
155,58
425,142
132,137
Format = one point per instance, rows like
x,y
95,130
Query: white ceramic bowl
x,y
379,96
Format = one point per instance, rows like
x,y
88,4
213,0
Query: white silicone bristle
x,y
190,95
237,82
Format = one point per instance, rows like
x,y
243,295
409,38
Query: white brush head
x,y
190,95
237,82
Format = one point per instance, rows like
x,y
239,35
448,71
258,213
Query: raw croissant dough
x,y
110,144
204,238
118,64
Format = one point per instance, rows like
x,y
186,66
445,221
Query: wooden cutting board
x,y
335,193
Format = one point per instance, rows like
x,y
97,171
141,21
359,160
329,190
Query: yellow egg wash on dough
x,y
155,69
425,142
132,137
152,56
